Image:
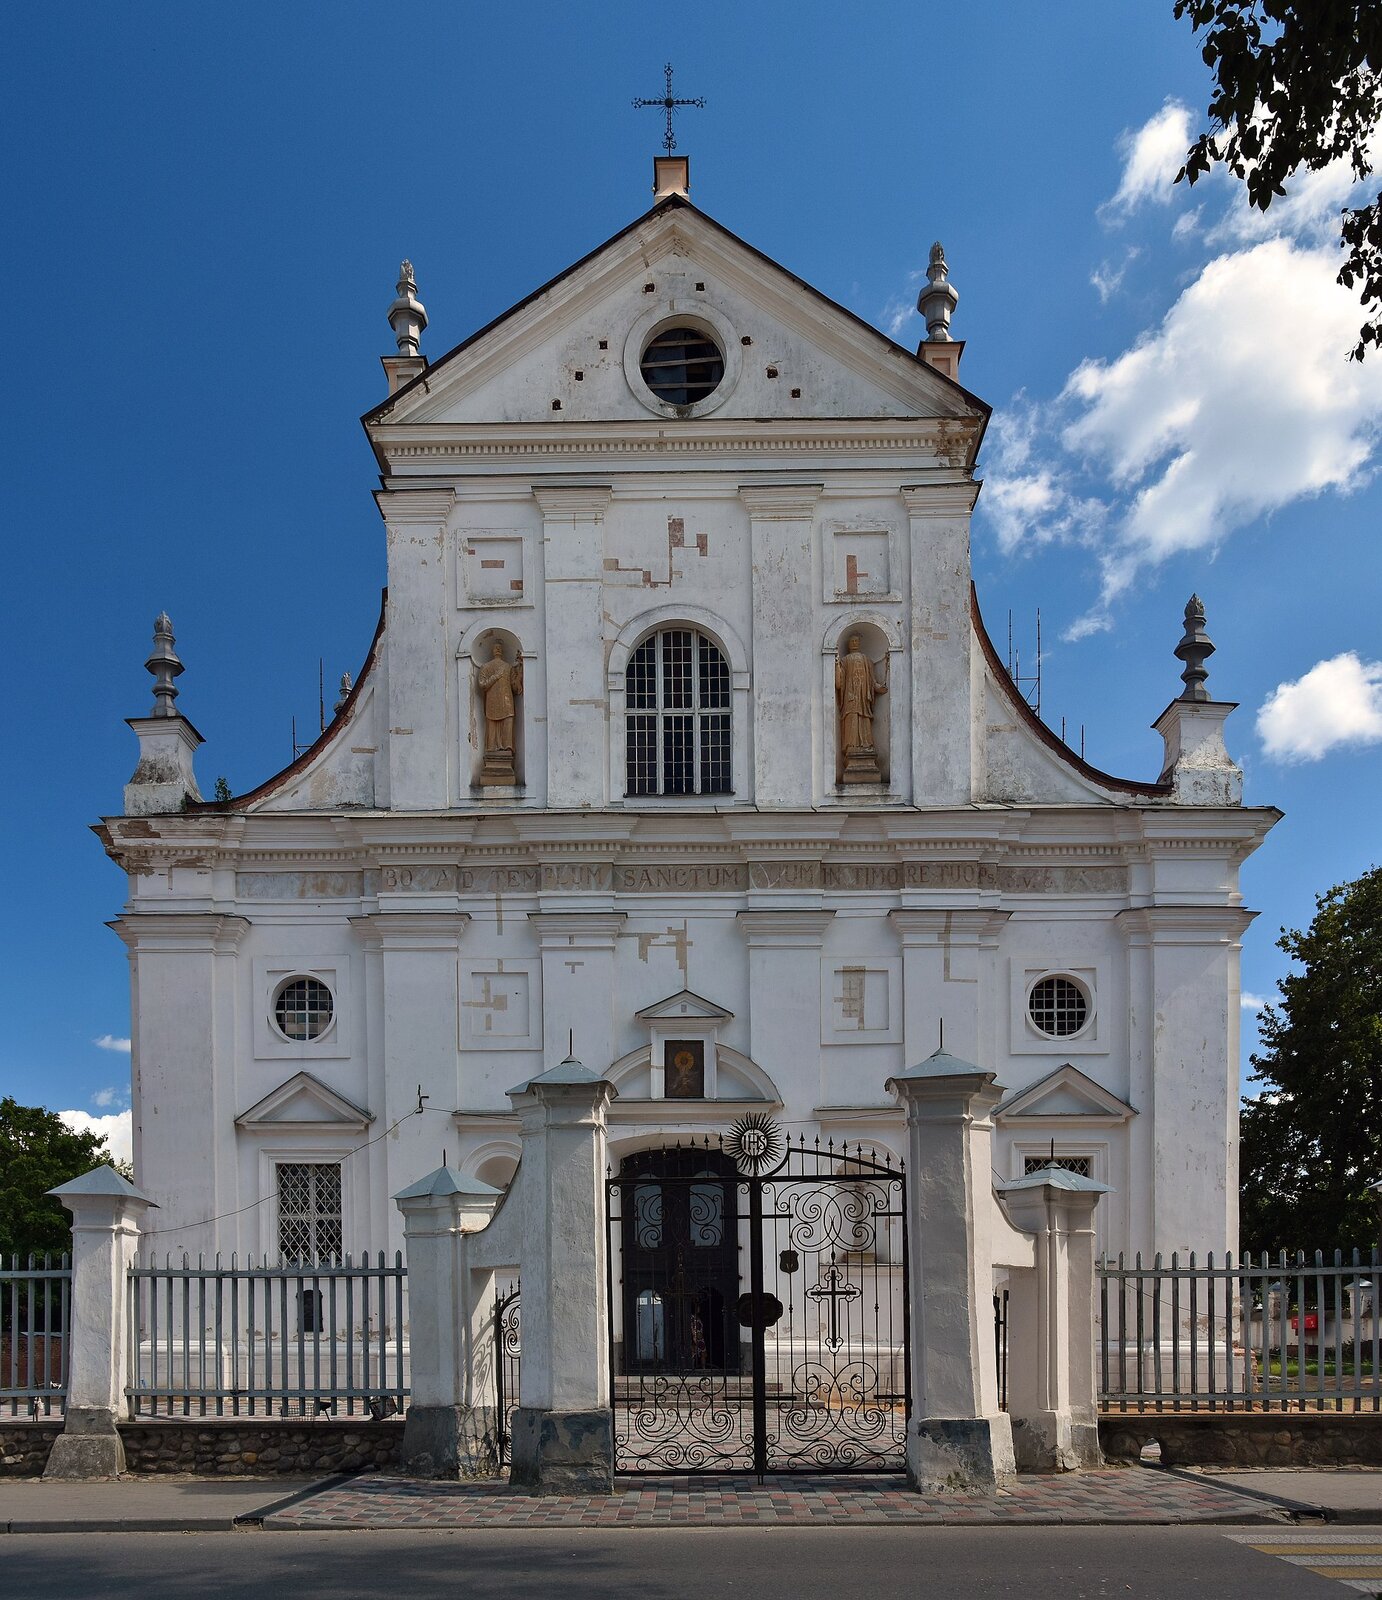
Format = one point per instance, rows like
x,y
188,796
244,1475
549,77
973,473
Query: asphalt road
x,y
659,1563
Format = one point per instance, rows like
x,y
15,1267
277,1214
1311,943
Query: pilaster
x,y
577,710
422,727
942,731
578,991
1183,1074
948,978
786,729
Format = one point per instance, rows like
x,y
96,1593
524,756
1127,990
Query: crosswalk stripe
x,y
1353,1560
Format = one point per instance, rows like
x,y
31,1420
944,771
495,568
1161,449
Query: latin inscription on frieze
x,y
497,880
865,875
583,877
424,879
697,878
785,875
1063,880
951,875
298,885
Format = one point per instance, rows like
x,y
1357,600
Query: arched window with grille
x,y
677,716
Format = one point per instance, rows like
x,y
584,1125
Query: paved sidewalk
x,y
1116,1496
1127,1495
143,1505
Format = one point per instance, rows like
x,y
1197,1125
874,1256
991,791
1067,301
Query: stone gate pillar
x,y
1053,1396
452,1426
958,1438
563,1431
106,1213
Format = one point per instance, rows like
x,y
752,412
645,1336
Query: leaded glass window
x,y
309,1211
677,712
1084,1165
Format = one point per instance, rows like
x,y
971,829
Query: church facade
x,y
680,746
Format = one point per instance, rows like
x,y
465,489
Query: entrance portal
x,y
758,1308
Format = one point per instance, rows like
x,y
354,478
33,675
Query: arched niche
x,y
475,651
880,645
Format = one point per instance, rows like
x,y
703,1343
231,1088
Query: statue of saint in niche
x,y
500,686
857,684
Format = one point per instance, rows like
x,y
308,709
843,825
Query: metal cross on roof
x,y
669,103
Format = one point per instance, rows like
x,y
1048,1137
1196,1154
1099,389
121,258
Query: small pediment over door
x,y
685,1007
303,1103
1065,1095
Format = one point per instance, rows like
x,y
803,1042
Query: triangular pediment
x,y
684,1007
790,352
305,1102
1066,1094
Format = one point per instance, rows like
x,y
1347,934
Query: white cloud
x,y
1152,156
1108,279
1241,401
113,1096
108,1041
1252,1002
1032,502
1337,703
1187,225
1308,210
114,1129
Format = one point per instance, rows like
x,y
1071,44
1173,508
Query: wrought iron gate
x,y
758,1307
508,1354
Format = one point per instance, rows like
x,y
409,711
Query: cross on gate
x,y
669,104
835,1287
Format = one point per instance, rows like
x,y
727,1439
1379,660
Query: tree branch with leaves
x,y
1296,88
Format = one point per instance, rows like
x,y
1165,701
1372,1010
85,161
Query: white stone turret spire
x,y
939,298
163,780
408,319
407,315
936,303
1198,766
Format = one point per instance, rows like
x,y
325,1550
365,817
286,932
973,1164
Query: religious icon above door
x,y
684,1069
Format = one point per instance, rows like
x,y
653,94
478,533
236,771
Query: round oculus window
x,y
682,365
303,1008
1058,1007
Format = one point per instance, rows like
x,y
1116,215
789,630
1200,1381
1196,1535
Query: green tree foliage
x,y
1312,1142
38,1151
222,790
1296,87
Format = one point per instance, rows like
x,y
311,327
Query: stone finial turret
x,y
164,780
164,664
1197,766
344,694
939,298
1194,649
407,315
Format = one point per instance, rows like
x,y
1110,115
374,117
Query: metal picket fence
x,y
1296,1333
35,1312
269,1339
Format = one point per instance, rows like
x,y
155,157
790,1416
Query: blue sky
x,y
205,209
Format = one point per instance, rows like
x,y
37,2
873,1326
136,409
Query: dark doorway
x,y
680,1262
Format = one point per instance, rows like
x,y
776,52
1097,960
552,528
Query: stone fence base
x,y
261,1447
1246,1438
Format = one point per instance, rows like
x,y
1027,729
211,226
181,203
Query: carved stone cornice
x,y
180,932
940,499
780,502
427,506
588,930
937,926
1193,925
572,502
784,929
411,930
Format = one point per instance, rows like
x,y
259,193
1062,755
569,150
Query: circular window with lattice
x,y
303,1009
1058,1006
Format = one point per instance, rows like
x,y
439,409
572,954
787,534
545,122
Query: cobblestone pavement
x,y
1127,1495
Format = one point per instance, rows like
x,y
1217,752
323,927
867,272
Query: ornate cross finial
x,y
669,103
163,663
1194,650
